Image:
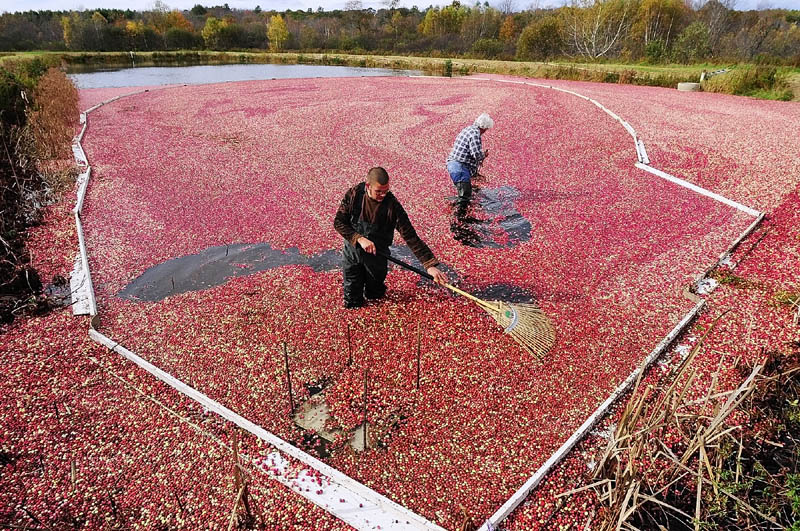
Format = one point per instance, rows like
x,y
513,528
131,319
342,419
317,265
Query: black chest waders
x,y
364,274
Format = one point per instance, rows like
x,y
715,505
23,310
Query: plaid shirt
x,y
467,148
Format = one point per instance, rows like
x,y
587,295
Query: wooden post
x,y
419,348
349,347
240,482
288,377
365,408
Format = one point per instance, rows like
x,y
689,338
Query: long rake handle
x,y
410,267
425,274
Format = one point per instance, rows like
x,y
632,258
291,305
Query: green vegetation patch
x,y
765,82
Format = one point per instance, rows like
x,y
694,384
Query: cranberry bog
x,y
605,205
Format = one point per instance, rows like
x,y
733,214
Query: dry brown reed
x,y
674,461
54,115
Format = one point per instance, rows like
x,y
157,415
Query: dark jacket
x,y
387,213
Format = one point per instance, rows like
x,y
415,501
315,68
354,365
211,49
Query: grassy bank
x,y
767,82
38,112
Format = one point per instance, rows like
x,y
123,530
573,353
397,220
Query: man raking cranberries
x,y
369,214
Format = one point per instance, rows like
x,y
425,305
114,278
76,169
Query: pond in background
x,y
201,74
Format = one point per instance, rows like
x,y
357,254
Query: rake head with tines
x,y
526,323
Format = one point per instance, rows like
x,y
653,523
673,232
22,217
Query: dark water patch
x,y
315,388
215,265
505,292
490,219
315,445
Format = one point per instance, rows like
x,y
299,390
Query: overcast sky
x,y
280,5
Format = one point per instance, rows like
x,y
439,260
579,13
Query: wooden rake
x,y
526,323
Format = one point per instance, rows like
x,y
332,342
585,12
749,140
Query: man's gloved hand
x,y
438,276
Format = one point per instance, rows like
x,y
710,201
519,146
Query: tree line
x,y
615,30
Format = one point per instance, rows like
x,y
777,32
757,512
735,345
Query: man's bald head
x,y
378,175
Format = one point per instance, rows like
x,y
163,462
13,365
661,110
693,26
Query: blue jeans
x,y
459,172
